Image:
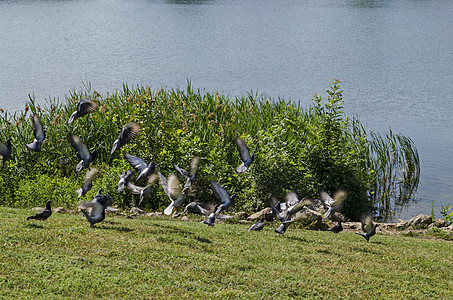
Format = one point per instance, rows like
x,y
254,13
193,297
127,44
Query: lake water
x,y
394,58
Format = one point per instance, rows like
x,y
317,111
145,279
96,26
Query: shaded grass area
x,y
157,257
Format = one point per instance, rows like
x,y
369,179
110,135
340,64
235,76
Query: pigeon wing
x,y
220,192
243,150
80,147
136,162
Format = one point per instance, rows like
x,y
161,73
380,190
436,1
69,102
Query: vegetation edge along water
x,y
296,148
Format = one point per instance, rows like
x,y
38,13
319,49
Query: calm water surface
x,y
394,59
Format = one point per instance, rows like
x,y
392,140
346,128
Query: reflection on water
x,y
393,57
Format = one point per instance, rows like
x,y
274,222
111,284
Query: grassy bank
x,y
300,149
155,258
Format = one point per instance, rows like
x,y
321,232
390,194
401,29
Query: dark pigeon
x,y
38,132
143,169
246,157
222,195
87,182
190,175
174,191
368,227
335,203
43,214
96,208
142,191
85,106
337,228
258,226
86,157
5,150
129,132
125,177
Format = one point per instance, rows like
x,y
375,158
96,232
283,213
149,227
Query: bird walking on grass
x,y
44,214
258,226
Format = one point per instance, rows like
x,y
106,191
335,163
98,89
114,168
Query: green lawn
x,y
158,257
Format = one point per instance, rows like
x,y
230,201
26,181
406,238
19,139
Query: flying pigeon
x,y
86,157
96,208
192,174
125,177
43,214
222,195
246,157
283,219
87,182
129,132
368,227
38,132
85,106
337,228
5,150
335,203
174,191
143,169
293,205
258,226
142,191
210,220
199,208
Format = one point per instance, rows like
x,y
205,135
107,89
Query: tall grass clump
x,y
298,149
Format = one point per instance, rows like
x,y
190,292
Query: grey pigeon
x,y
335,203
142,191
246,157
85,106
5,150
222,195
129,132
337,228
258,226
174,191
96,208
38,132
210,220
87,182
293,205
199,208
86,157
125,177
43,214
368,227
190,175
283,219
143,169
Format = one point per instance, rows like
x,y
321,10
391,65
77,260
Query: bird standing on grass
x,y
38,132
129,132
43,214
85,106
368,227
258,226
335,203
246,157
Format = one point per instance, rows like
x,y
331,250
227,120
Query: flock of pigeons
x,y
94,211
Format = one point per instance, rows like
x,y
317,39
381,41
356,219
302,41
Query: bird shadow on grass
x,y
295,238
324,251
119,229
203,240
34,225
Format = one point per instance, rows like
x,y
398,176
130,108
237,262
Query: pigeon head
x,y
48,204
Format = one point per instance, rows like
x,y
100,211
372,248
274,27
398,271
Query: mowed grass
x,y
146,258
